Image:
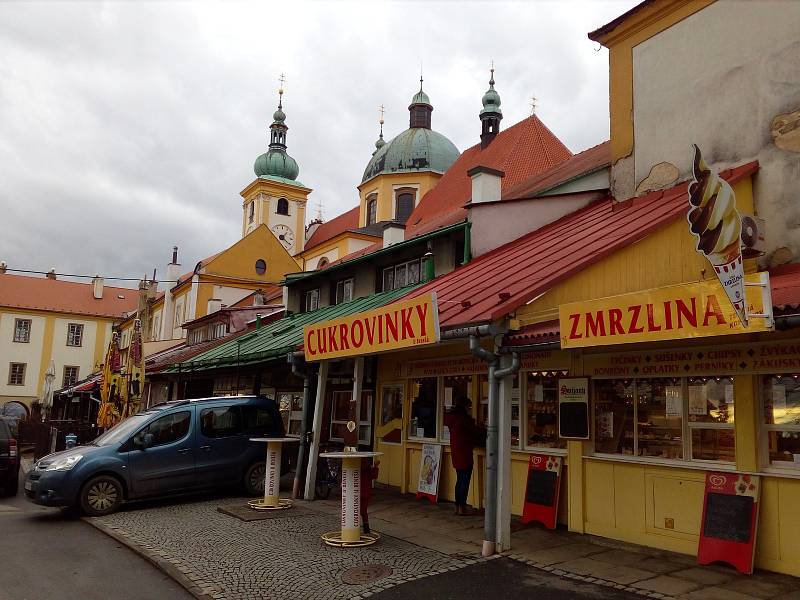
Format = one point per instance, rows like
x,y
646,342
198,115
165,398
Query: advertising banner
x,y
680,311
403,324
430,465
542,490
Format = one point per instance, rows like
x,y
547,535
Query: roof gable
x,y
332,228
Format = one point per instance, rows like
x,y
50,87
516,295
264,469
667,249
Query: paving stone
x,y
757,587
793,595
559,554
583,566
658,565
703,576
620,557
716,593
666,584
622,574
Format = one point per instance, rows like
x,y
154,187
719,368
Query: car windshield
x,y
121,431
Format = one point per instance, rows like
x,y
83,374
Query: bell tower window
x,y
372,210
404,205
251,212
283,206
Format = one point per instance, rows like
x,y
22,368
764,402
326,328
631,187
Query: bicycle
x,y
327,478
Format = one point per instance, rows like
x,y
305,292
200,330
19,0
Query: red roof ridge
x,y
330,229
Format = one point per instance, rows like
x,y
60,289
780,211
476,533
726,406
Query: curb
x,y
160,563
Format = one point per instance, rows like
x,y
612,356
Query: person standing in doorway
x,y
464,435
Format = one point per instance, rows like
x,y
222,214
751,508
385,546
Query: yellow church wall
x,y
639,27
384,186
265,193
665,257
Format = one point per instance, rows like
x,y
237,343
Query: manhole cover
x,y
365,574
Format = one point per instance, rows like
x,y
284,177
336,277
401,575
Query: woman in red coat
x,y
464,436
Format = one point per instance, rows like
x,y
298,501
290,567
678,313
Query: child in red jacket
x,y
369,472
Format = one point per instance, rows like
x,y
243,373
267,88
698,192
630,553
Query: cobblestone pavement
x,y
279,557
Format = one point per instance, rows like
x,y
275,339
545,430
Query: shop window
x,y
666,418
22,330
311,300
401,275
455,387
780,397
290,405
343,291
424,411
391,429
482,419
340,416
541,412
711,418
224,421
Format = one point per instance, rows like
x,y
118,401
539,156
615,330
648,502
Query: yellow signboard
x,y
395,326
681,311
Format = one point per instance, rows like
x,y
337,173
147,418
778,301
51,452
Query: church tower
x,y
491,114
276,199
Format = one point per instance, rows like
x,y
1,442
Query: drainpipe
x,y
503,403
297,361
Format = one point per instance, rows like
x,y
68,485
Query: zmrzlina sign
x,y
395,326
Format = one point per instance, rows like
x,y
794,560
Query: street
x,y
47,553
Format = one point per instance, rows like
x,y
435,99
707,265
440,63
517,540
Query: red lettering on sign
x,y
713,310
405,321
371,331
573,332
635,310
391,327
322,340
343,337
615,322
358,334
380,329
595,325
667,315
685,313
422,313
651,321
310,349
332,338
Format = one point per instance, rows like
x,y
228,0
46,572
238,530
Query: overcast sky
x,y
127,128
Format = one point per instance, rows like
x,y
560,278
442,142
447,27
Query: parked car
x,y
175,447
9,460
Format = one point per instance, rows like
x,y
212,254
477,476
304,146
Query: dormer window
x,y
283,206
372,210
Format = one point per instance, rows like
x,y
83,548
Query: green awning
x,y
276,340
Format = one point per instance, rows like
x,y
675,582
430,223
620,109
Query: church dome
x,y
275,163
418,148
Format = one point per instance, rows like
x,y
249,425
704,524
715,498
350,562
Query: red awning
x,y
785,284
539,333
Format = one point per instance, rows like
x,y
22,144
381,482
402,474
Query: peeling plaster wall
x,y
717,79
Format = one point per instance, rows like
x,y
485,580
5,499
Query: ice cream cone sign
x,y
717,225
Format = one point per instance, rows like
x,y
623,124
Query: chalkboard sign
x,y
541,487
730,517
573,408
541,492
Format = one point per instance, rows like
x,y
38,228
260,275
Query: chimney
x,y
393,233
3,267
258,298
97,287
486,184
214,304
173,268
51,274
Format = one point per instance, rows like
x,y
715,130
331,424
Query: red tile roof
x,y
538,333
40,293
500,281
522,150
785,284
271,291
583,163
334,227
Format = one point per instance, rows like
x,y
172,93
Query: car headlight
x,y
64,464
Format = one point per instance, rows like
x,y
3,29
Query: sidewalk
x,y
218,549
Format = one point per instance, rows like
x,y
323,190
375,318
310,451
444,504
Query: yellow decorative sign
x,y
680,311
395,326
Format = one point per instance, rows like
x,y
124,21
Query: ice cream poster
x,y
717,227
429,468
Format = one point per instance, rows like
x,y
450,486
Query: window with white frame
x,y
70,376
290,405
16,373
398,276
340,416
541,411
780,402
666,418
343,291
22,330
311,300
75,334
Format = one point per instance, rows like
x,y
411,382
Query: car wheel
x,y
254,479
100,496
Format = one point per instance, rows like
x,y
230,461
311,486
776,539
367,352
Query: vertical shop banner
x,y
717,227
730,518
542,490
430,465
573,408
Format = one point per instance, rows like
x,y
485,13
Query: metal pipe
x,y
462,332
302,452
527,347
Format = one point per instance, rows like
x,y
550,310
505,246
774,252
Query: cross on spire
x,y
282,80
491,77
381,110
533,105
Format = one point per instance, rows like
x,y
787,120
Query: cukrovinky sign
x,y
399,325
680,311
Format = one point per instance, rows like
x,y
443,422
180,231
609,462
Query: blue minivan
x,y
172,448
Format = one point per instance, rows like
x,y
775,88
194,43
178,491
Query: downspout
x,y
296,359
490,494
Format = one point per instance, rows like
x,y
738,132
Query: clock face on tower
x,y
284,234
